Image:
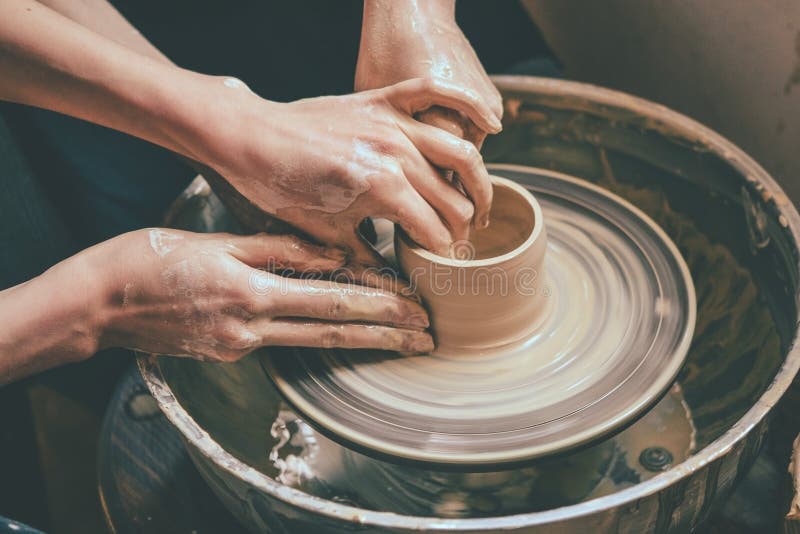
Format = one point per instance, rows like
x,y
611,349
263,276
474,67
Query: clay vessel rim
x,y
536,231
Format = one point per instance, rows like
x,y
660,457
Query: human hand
x,y
403,40
325,164
205,296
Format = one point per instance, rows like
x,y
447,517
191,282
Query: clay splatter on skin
x,y
331,196
187,281
233,83
236,83
363,164
128,292
182,279
163,242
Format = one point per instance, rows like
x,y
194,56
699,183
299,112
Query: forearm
x,y
404,11
75,71
102,18
48,321
415,26
408,25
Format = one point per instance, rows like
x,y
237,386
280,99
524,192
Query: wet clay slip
x,y
490,292
564,358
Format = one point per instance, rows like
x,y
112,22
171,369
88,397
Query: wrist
x,y
95,273
230,126
112,283
393,26
439,10
215,122
184,106
74,284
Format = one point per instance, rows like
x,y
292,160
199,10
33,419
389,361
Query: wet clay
x,y
605,327
490,292
511,223
305,459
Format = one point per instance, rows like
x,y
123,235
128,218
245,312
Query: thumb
x,y
420,94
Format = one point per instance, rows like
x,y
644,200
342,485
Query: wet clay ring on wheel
x,y
607,331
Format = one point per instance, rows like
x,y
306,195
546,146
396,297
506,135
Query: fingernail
x,y
419,320
422,344
445,248
496,124
483,222
335,254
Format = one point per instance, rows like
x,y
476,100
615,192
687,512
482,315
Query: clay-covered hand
x,y
325,164
209,296
413,39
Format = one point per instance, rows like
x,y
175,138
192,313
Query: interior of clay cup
x,y
512,220
515,223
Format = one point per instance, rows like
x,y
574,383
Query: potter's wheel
x,y
620,317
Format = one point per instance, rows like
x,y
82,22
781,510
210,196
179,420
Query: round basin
x,y
738,233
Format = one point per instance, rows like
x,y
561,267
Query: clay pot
x,y
490,292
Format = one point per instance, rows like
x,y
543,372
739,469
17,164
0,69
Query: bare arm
x,y
321,164
279,156
47,321
405,39
49,61
209,296
103,18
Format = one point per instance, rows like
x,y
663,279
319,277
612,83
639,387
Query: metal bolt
x,y
656,459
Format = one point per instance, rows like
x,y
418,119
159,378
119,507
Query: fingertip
x,y
443,248
482,221
417,316
326,265
419,321
480,218
485,119
491,123
495,124
497,108
420,343
336,255
443,241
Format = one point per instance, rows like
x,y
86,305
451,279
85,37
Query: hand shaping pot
x,y
489,293
732,223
